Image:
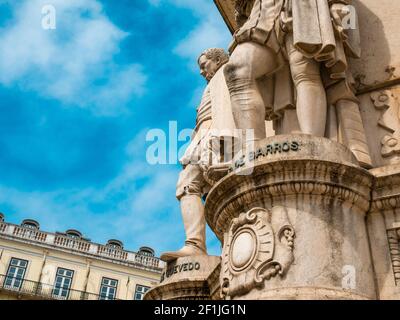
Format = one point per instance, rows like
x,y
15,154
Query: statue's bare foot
x,y
186,251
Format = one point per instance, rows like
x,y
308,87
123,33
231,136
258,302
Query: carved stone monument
x,y
311,210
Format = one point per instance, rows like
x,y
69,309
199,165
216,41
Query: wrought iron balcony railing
x,y
39,290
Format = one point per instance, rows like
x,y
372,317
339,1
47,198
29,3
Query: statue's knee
x,y
313,79
304,69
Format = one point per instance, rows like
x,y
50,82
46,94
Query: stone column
x,y
292,221
384,231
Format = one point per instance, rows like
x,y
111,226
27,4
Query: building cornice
x,y
79,247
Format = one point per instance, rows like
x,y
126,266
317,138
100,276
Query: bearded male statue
x,y
310,36
214,122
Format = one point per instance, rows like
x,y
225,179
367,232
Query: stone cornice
x,y
44,240
227,10
386,191
273,180
182,290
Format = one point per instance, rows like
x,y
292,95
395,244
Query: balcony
x,y
148,261
79,245
30,234
112,253
71,243
37,290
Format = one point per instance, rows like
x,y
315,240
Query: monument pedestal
x,y
292,220
298,219
186,279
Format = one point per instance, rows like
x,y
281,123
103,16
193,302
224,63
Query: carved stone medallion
x,y
257,247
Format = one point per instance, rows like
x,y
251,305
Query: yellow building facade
x,y
35,264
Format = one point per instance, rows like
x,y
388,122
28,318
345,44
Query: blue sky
x,y
76,104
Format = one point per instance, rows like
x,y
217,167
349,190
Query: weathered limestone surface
x,y
377,74
377,82
380,58
313,203
298,216
186,279
384,231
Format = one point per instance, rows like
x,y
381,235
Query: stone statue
x,y
214,122
337,40
257,52
273,33
298,217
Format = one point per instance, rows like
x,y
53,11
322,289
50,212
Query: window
x,y
63,283
108,289
115,244
15,274
74,234
140,291
30,224
146,251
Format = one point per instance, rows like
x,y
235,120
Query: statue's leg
x,y
352,131
194,221
189,192
311,97
249,62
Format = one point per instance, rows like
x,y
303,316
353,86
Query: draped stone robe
x,y
318,33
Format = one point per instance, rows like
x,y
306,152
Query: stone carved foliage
x,y
257,247
389,121
394,246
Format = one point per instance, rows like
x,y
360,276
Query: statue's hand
x,y
286,22
339,12
203,166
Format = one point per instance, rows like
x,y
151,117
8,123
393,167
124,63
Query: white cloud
x,y
134,218
74,63
64,64
211,32
141,214
199,7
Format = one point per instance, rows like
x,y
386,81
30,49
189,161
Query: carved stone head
x,y
211,60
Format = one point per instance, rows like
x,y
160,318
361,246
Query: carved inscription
x,y
268,150
184,267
